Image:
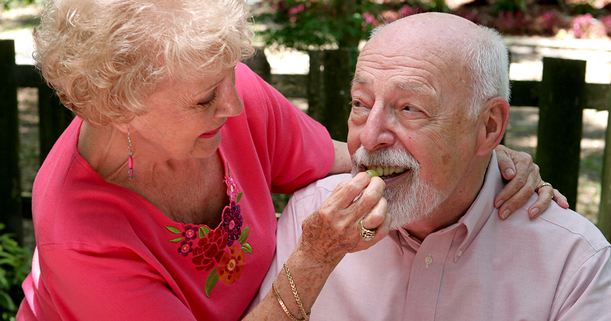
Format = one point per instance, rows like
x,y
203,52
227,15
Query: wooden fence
x,y
53,119
561,96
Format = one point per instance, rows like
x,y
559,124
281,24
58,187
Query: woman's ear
x,y
123,127
129,126
493,122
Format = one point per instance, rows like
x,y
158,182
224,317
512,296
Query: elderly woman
x,y
141,212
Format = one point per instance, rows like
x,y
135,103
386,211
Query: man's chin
x,y
411,209
401,222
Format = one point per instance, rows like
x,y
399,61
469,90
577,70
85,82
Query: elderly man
x,y
430,104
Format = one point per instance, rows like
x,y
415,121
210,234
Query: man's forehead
x,y
396,83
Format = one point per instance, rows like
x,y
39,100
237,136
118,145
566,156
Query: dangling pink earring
x,y
130,160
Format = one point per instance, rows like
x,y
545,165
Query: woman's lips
x,y
211,133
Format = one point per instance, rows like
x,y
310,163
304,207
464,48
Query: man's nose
x,y
377,132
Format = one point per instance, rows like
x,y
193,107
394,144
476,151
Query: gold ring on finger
x,y
366,234
543,185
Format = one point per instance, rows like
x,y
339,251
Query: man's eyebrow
x,y
409,87
359,80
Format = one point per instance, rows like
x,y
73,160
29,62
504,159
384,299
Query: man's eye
x,y
411,108
357,103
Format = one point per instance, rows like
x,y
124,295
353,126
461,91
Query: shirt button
x,y
459,254
428,260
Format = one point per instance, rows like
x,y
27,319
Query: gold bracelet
x,y
286,310
306,316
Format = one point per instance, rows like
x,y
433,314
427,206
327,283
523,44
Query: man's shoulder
x,y
572,224
554,230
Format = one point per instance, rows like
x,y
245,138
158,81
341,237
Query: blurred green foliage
x,y
509,5
15,264
324,24
11,4
310,24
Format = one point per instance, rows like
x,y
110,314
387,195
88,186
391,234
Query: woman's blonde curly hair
x,y
104,57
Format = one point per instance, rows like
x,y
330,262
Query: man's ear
x,y
493,123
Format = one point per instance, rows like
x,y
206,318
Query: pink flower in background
x,y
296,9
369,18
406,11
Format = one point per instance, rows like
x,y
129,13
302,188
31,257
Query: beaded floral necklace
x,y
219,252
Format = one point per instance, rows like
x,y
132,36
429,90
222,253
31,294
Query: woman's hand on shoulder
x,y
524,180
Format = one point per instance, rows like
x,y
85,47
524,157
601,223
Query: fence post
x,y
259,64
329,90
560,124
54,118
10,183
604,209
337,78
315,85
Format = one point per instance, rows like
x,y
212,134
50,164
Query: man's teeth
x,y
385,171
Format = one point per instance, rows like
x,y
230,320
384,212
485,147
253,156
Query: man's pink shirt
x,y
554,267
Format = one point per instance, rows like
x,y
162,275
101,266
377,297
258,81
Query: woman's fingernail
x,y
505,214
509,172
534,212
372,173
499,203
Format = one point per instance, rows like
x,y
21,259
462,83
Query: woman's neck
x,y
105,148
187,191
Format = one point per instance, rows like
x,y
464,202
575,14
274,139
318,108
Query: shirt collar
x,y
483,207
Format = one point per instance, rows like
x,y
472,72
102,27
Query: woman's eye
x,y
207,102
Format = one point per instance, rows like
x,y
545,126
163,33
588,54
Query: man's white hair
x,y
487,58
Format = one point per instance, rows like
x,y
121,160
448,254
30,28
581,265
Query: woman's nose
x,y
230,105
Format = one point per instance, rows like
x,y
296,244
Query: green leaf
x,y
173,229
176,240
239,197
247,248
203,231
213,278
6,301
4,284
244,235
8,261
